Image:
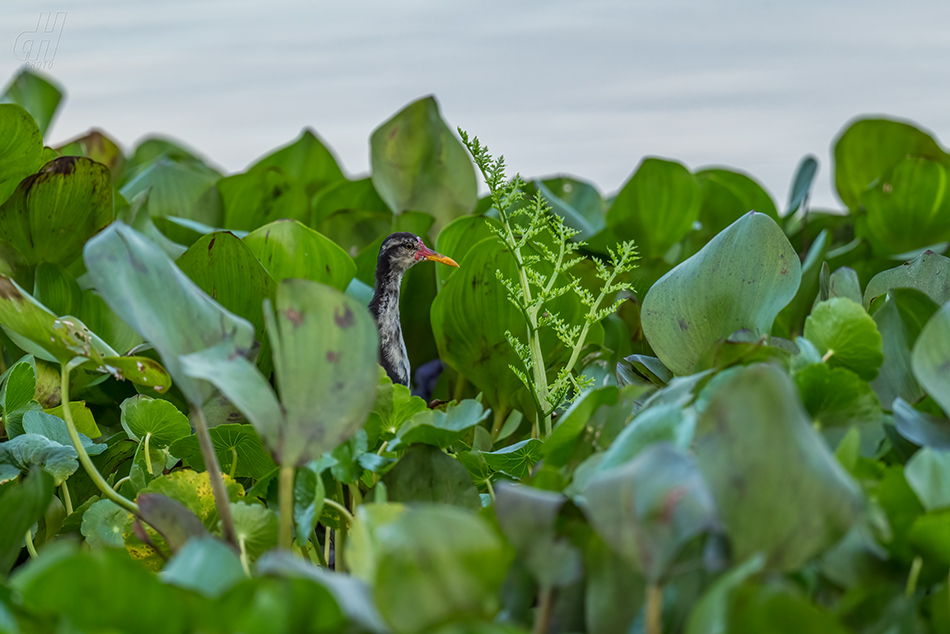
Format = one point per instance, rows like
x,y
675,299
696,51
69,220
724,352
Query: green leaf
x,y
921,428
516,460
193,490
205,565
325,348
844,282
104,322
528,517
577,202
103,524
394,406
36,95
741,279
54,428
837,397
656,207
434,427
930,536
288,249
256,528
458,238
147,291
712,610
227,270
53,212
418,164
238,447
56,289
928,474
649,508
173,521
727,196
753,439
186,190
309,493
929,358
801,184
16,396
137,600
427,474
847,336
255,198
160,420
21,148
307,161
22,504
659,423
26,450
559,446
929,273
895,378
98,147
870,147
345,196
432,565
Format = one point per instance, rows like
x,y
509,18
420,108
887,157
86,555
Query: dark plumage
x,y
398,253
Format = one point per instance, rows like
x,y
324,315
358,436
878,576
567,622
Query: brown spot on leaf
x,y
346,319
392,133
8,290
211,244
295,316
670,500
338,385
683,325
332,356
327,267
61,165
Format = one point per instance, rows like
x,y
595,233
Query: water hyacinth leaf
x,y
16,396
139,370
56,288
752,439
54,428
577,202
255,198
52,213
427,474
837,397
740,280
83,419
418,164
205,565
307,161
98,147
516,460
712,610
929,358
288,249
916,309
458,237
847,336
844,282
193,490
394,406
649,508
435,564
801,185
103,524
21,147
660,423
921,428
158,419
137,216
147,291
870,147
256,528
309,492
929,273
238,447
908,207
434,427
528,518
896,377
345,197
325,348
227,270
928,474
559,446
174,188
27,450
656,207
35,94
174,522
727,196
351,594
21,505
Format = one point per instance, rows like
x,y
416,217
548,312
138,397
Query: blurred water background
x,y
582,88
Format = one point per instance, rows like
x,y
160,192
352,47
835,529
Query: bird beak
x,y
429,254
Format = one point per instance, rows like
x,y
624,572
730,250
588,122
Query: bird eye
x,y
407,246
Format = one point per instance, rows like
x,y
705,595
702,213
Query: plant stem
x,y
30,548
244,561
911,586
84,458
321,558
542,616
339,565
286,535
326,544
148,457
67,500
459,387
342,510
497,423
356,498
654,621
214,475
115,487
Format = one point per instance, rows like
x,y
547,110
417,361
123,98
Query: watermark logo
x,y
37,48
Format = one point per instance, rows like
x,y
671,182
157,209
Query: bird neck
x,y
385,310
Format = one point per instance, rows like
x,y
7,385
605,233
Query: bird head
x,y
402,250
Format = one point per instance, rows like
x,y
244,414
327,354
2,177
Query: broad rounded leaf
x,y
34,93
929,273
179,189
930,356
205,565
418,164
928,474
53,212
428,474
238,447
288,249
21,505
740,280
727,196
21,146
159,419
307,161
98,147
261,196
656,207
434,427
844,333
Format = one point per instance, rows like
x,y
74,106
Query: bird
x,y
398,253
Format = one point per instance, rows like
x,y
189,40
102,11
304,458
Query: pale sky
x,y
580,88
